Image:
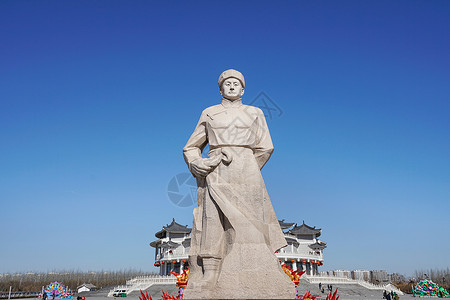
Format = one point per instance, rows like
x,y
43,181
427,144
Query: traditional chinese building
x,y
303,252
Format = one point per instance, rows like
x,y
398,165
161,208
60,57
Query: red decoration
x,y
308,296
174,261
303,261
292,260
294,275
143,296
167,296
182,279
331,296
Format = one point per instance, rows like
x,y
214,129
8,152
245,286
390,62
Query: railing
x,y
174,255
19,294
327,279
345,280
387,287
298,256
144,278
143,283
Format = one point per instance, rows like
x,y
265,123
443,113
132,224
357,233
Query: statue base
x,y
246,277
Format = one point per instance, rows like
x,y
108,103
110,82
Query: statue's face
x,y
232,89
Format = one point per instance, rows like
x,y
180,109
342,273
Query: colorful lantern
x,y
58,290
429,288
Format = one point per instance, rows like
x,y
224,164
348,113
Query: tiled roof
x,y
291,240
155,243
169,244
174,227
285,225
305,230
318,245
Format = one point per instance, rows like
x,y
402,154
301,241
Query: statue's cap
x,y
231,73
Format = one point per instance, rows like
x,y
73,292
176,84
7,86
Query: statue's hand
x,y
203,166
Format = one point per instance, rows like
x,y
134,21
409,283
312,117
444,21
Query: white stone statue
x,y
235,232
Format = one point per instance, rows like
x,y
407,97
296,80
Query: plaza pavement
x,y
345,292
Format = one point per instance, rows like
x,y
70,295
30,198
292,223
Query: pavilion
x,y
304,251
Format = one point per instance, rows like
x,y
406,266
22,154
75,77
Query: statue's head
x,y
231,84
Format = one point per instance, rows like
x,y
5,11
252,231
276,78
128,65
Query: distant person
x,y
44,296
384,294
396,297
53,295
388,296
320,285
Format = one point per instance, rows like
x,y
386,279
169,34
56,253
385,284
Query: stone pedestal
x,y
244,277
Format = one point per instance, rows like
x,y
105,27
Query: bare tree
x,y
33,282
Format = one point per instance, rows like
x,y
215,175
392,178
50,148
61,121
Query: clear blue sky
x,y
97,99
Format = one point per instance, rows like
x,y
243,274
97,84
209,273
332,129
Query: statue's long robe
x,y
235,221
